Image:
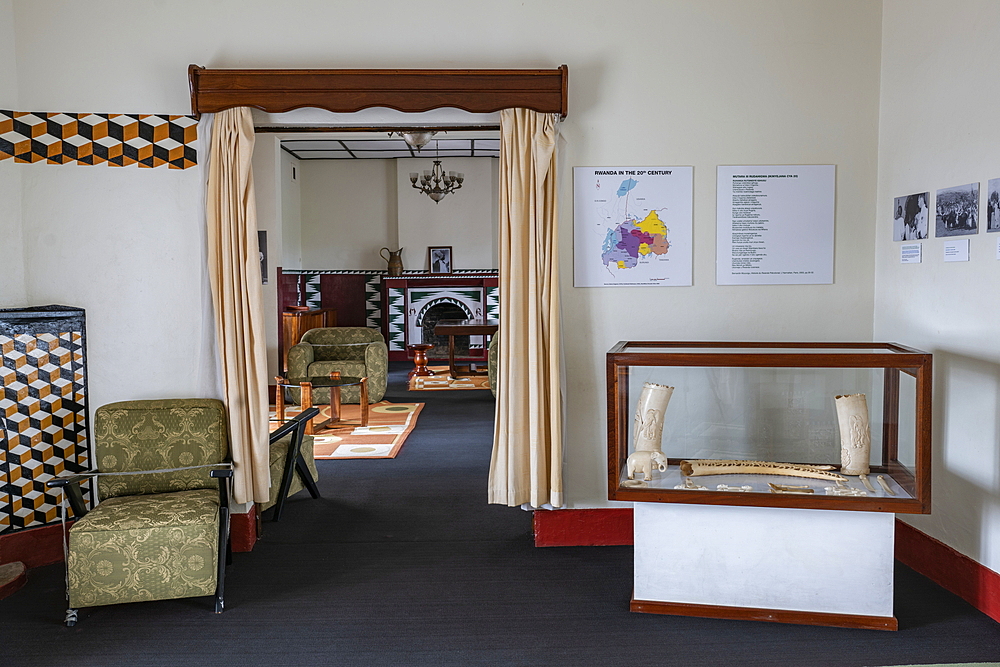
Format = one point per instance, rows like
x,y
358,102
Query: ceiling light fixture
x,y
416,139
434,182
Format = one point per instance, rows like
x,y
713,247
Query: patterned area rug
x,y
389,424
440,381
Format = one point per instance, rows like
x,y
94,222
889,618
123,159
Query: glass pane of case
x,y
763,414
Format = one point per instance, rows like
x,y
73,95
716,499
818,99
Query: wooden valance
x,y
350,90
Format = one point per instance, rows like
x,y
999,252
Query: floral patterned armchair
x,y
354,351
161,530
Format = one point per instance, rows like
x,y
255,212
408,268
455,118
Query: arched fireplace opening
x,y
444,310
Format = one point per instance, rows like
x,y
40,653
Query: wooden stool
x,y
420,360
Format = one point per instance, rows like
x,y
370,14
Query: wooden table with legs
x,y
452,328
334,381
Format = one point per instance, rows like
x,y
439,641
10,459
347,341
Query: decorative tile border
x,y
119,140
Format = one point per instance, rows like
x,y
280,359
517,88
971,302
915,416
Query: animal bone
x,y
844,491
868,485
885,485
782,488
697,467
741,489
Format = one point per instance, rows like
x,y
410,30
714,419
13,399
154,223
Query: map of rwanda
x,y
632,226
633,239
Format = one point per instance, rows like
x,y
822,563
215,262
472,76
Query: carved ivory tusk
x,y
696,467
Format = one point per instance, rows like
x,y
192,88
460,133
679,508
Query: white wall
x,y
939,129
271,197
464,220
668,82
12,288
290,187
348,213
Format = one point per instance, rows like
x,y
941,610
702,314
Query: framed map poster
x,y
632,226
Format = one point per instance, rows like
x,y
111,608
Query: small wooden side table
x,y
334,381
420,360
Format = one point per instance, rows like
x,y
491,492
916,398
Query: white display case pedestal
x,y
815,567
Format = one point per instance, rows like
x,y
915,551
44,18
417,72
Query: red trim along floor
x,y
976,584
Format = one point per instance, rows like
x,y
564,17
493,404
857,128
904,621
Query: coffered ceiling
x,y
385,147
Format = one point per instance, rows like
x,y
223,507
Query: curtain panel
x,y
234,269
526,466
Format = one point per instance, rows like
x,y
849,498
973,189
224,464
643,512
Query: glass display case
x,y
844,426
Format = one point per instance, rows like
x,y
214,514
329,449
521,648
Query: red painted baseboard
x,y
34,547
583,528
243,530
976,584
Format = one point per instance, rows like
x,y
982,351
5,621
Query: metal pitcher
x,y
394,260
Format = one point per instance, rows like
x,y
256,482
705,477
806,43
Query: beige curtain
x,y
527,444
234,267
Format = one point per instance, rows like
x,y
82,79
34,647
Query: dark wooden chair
x,y
287,455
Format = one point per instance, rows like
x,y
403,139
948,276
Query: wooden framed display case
x,y
773,402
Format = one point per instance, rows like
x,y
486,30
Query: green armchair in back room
x,y
493,362
353,351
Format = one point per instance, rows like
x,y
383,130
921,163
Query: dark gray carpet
x,y
403,563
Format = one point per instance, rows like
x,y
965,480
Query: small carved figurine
x,y
645,462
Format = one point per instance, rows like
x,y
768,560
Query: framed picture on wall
x,y
440,258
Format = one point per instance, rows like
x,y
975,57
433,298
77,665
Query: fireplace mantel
x,y
406,298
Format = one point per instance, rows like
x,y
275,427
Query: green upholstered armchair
x,y
161,530
293,466
354,351
493,361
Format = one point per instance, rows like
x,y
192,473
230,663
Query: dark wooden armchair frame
x,y
294,462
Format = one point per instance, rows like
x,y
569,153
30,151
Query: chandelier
x,y
435,183
416,138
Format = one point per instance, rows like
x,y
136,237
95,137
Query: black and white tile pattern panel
x,y
117,140
43,410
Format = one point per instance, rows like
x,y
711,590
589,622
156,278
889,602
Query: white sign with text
x,y
775,225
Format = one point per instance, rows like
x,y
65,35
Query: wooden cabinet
x,y
294,323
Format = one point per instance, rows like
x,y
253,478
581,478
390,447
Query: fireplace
x,y
413,304
444,310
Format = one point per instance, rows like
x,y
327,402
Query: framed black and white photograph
x,y
957,211
910,216
993,205
440,258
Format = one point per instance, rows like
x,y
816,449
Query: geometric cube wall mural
x,y
118,140
43,410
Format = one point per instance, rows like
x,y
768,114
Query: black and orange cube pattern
x,y
118,140
43,413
